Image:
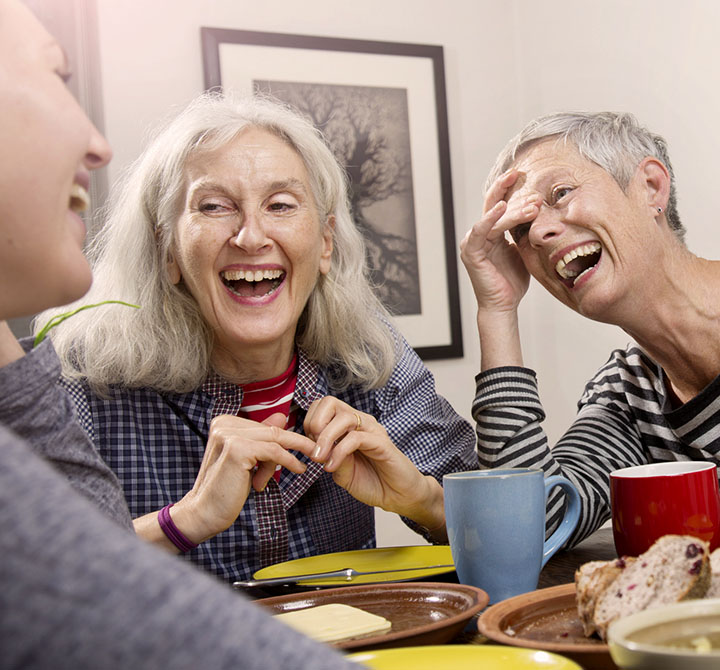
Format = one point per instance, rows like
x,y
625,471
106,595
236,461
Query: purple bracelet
x,y
172,531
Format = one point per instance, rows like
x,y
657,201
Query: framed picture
x,y
382,108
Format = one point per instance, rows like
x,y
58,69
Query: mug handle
x,y
570,520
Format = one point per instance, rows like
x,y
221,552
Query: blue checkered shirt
x,y
155,442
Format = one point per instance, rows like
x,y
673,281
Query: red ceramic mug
x,y
649,501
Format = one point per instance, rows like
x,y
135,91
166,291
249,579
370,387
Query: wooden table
x,y
560,569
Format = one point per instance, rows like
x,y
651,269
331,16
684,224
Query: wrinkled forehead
x,y
230,138
545,161
254,153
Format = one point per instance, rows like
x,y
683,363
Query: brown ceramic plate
x,y
420,612
546,619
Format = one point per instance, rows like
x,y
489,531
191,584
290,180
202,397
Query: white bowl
x,y
644,641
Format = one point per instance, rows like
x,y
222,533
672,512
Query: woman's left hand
x,y
362,458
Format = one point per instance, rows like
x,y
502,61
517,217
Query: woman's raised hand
x,y
496,271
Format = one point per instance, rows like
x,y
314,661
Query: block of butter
x,y
330,623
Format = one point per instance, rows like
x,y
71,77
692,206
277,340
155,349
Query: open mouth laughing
x,y
252,283
578,262
79,199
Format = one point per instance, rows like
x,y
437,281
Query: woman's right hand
x,y
240,454
496,270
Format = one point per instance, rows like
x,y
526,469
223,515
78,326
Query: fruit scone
x,y
676,567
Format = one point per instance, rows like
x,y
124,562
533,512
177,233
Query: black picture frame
x,y
286,65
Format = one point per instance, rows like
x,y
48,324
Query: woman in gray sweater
x,y
79,590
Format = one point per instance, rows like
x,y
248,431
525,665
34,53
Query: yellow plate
x,y
367,560
462,657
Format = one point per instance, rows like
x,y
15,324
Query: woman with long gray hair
x,y
258,404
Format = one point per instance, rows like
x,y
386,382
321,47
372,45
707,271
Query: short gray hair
x,y
166,344
613,140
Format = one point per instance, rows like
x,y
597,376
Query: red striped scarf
x,y
261,399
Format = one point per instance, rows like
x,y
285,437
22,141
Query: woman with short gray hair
x,y
260,392
589,202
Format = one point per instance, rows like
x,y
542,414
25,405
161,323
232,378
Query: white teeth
x,y
79,198
251,275
585,250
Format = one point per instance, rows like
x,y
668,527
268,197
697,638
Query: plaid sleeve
x,y
422,423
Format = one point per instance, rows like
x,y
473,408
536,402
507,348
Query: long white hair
x,y
166,344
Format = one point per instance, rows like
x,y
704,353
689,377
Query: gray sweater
x,y
78,591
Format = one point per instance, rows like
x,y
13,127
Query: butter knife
x,y
348,574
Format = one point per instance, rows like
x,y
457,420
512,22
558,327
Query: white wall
x,y
506,61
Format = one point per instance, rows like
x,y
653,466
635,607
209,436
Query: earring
x,y
659,209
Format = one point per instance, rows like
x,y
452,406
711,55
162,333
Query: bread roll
x,y
676,567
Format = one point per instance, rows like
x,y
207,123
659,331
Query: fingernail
x,y
328,464
316,453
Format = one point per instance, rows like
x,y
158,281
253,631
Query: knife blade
x,y
347,574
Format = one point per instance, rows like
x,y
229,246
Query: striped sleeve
x,y
508,416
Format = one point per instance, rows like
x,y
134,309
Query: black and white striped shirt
x,y
625,418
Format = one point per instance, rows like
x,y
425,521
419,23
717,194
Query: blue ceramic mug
x,y
496,527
